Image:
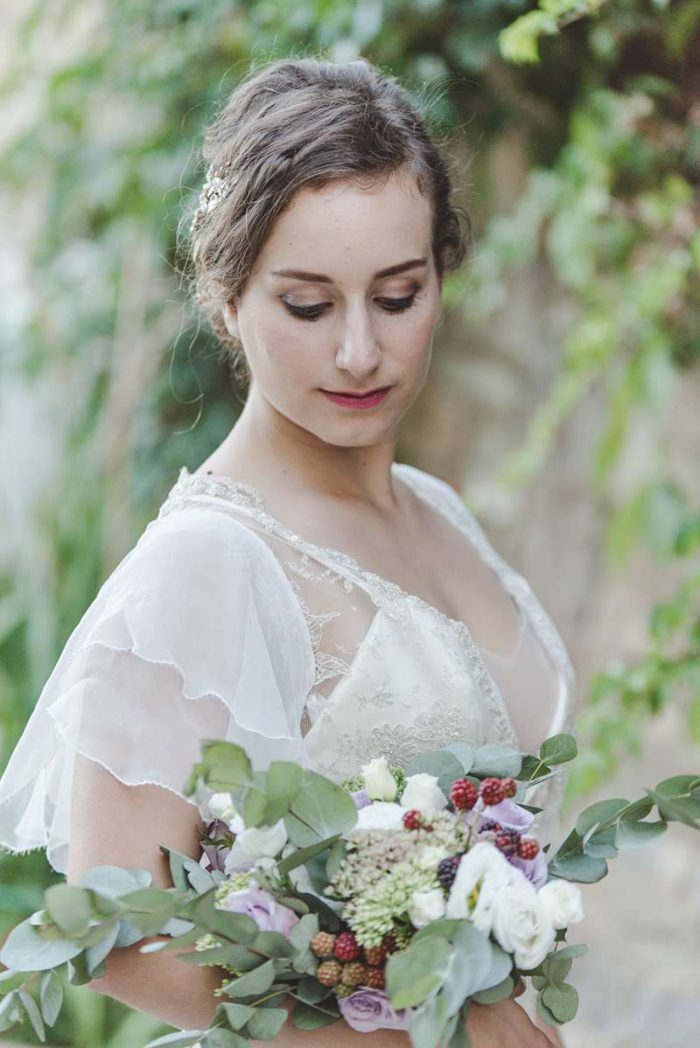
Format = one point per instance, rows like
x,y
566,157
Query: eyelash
x,y
399,305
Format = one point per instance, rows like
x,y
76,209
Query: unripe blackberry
x,y
354,973
322,944
375,955
447,871
510,786
375,978
346,947
328,973
412,819
492,791
343,990
464,794
528,848
507,841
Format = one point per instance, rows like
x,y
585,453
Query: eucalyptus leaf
x,y
464,753
632,834
94,955
179,1039
273,944
313,1017
303,855
222,1038
112,881
33,1013
238,1014
70,907
562,1001
428,1023
24,950
282,784
585,869
253,982
267,1023
321,810
469,967
495,993
558,749
445,766
414,973
498,760
598,813
225,765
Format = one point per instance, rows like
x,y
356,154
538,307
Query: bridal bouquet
x,y
392,900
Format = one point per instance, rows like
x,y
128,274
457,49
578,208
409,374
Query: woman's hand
x,y
505,1024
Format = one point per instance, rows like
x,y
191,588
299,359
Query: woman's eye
x,y
389,305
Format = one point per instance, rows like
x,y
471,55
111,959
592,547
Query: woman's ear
x,y
230,316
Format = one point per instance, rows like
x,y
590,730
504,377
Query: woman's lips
x,y
368,401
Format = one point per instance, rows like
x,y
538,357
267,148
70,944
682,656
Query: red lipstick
x,y
355,400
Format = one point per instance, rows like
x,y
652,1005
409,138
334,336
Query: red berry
x,y
464,794
322,944
507,841
346,947
510,787
328,973
375,978
375,955
492,791
412,819
354,973
528,848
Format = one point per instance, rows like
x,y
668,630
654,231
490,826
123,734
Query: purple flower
x,y
510,815
216,853
361,798
367,1010
268,914
534,869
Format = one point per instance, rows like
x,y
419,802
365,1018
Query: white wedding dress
x,y
221,622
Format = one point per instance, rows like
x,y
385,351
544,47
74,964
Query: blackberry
x,y
447,871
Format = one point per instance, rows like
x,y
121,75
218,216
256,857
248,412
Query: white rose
x,y
221,806
564,902
255,843
423,793
380,815
483,865
379,782
425,906
523,925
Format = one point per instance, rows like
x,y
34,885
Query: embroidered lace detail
x,y
382,592
399,743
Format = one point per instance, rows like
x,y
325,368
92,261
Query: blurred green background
x,y
564,400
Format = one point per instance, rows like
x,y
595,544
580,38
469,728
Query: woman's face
x,y
319,312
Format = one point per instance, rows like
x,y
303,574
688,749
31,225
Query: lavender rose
x,y
510,815
367,1010
268,914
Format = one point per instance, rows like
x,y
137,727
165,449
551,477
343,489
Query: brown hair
x,y
306,122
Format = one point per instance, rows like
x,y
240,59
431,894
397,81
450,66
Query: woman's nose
x,y
358,352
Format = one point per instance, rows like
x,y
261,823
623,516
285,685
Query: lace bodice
x,y
222,622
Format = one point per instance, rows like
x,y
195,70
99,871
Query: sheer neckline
x,y
247,496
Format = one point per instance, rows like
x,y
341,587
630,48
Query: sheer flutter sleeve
x,y
195,635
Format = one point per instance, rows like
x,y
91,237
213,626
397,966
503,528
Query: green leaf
x,y
577,949
282,785
558,749
94,955
222,1038
253,806
471,962
428,1023
562,1001
531,768
33,1013
310,1017
25,950
544,1011
238,1014
556,967
266,1023
599,813
10,981
586,869
322,809
414,973
303,855
179,1039
70,908
498,760
464,753
113,881
254,982
632,834
335,858
225,766
444,765
601,844
272,944
495,993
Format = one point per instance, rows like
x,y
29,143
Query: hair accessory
x,y
216,188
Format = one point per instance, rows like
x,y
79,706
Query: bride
x,y
300,592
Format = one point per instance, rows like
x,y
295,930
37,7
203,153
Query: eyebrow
x,y
319,278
